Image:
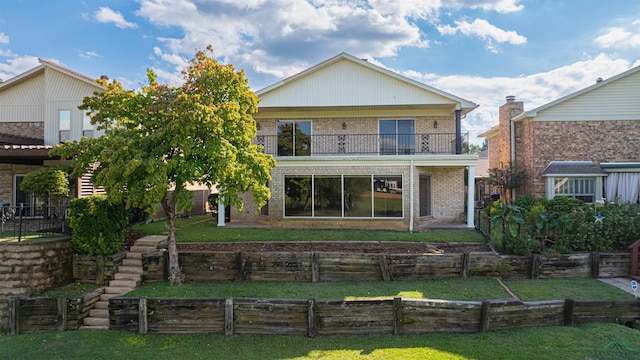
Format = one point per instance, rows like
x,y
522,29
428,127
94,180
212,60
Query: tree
x,y
506,179
162,138
50,184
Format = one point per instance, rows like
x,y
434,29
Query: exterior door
x,y
425,195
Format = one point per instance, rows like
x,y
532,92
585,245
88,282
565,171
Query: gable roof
x,y
345,80
630,88
44,64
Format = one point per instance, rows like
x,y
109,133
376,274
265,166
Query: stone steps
x,y
127,278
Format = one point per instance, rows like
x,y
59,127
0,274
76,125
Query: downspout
x,y
458,133
411,197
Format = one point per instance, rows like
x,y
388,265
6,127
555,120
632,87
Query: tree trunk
x,y
174,268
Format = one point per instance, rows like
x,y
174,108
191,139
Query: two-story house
x,y
359,146
584,145
38,109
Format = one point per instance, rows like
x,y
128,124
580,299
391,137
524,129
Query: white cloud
x,y
534,89
484,30
88,54
107,15
619,38
17,65
4,38
501,6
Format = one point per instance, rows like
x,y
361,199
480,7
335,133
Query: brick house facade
x,y
358,146
581,145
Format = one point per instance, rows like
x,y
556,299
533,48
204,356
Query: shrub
x,y
99,227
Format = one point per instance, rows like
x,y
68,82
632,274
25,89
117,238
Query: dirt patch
x,y
338,246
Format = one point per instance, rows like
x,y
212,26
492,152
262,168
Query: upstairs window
x,y
87,128
64,125
294,138
397,137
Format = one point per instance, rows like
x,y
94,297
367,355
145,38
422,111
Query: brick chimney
x,y
506,112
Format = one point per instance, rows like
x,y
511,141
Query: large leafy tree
x,y
162,138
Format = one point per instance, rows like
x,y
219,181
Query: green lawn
x,y
203,229
472,289
553,342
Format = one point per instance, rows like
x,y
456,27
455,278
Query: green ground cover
x,y
554,342
203,229
472,289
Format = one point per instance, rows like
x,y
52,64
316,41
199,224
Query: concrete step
x,y
101,305
99,313
98,328
91,321
134,255
124,283
157,239
142,249
129,269
117,290
127,276
131,262
147,241
106,297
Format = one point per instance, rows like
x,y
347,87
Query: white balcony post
x,y
220,211
471,189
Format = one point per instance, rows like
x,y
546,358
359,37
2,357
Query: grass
x,y
473,289
72,290
553,342
203,228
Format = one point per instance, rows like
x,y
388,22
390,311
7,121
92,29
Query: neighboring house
x,y
358,146
585,145
38,109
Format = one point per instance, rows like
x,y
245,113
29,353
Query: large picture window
x,y
343,196
294,138
397,136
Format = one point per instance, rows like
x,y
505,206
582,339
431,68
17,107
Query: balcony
x,y
363,144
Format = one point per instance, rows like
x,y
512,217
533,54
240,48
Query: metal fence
x,y
22,222
363,144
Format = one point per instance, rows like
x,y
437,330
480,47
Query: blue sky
x,y
481,50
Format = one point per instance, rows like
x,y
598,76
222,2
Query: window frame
x,y
597,184
280,136
343,213
66,129
87,128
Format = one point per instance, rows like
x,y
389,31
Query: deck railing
x,y
20,222
363,144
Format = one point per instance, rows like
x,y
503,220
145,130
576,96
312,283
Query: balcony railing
x,y
363,144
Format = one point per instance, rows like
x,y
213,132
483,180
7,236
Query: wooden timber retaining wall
x,y
29,266
96,269
44,314
358,317
326,266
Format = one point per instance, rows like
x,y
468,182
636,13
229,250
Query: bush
x,y
99,227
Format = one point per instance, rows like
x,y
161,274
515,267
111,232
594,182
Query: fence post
x,y
14,304
311,318
595,265
315,272
535,266
397,316
62,312
238,266
142,315
569,305
464,268
99,269
384,267
20,222
484,316
228,317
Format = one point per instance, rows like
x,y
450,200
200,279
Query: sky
x,y
480,50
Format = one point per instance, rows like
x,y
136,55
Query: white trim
x,y
471,188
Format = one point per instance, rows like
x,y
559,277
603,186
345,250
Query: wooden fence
x,y
355,317
96,269
326,266
44,314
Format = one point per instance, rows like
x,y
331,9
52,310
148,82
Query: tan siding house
x,y
585,145
358,146
38,109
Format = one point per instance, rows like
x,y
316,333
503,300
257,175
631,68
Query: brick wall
x,y
33,129
600,141
7,172
30,266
